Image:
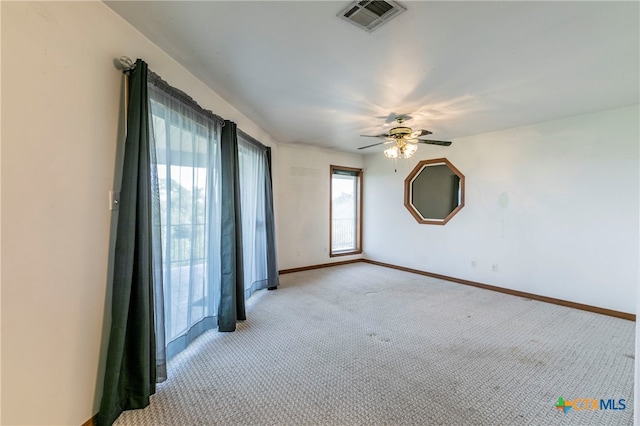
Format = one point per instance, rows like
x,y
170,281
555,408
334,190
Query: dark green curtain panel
x,y
272,265
130,376
231,307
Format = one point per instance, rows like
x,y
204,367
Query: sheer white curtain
x,y
252,163
188,156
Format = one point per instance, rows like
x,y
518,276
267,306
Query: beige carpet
x,y
361,344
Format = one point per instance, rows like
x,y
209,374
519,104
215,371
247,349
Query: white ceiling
x,y
459,68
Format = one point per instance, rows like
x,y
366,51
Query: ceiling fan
x,y
405,139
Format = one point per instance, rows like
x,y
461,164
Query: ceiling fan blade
x,y
389,118
432,142
402,117
375,144
384,135
393,117
419,133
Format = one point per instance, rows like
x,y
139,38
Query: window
x,y
252,168
345,210
188,170
187,153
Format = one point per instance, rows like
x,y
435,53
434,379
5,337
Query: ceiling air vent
x,y
369,15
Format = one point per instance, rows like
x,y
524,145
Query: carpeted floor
x,y
361,344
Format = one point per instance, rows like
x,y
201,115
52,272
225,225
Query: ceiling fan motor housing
x,y
399,132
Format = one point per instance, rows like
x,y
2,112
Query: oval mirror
x,y
434,191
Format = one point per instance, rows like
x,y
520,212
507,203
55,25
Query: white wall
x,y
569,230
303,219
60,105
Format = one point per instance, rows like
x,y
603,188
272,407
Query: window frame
x,y
359,195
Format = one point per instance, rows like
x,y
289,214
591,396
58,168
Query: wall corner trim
x,y
93,421
321,265
566,303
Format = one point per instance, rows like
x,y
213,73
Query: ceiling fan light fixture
x,y
401,150
409,150
391,152
404,139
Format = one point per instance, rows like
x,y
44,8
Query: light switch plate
x,y
114,199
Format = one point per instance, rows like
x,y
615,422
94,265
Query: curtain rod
x,y
251,139
187,100
126,65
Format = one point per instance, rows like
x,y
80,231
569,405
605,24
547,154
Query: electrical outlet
x,y
473,264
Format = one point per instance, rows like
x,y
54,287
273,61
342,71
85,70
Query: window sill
x,y
345,253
